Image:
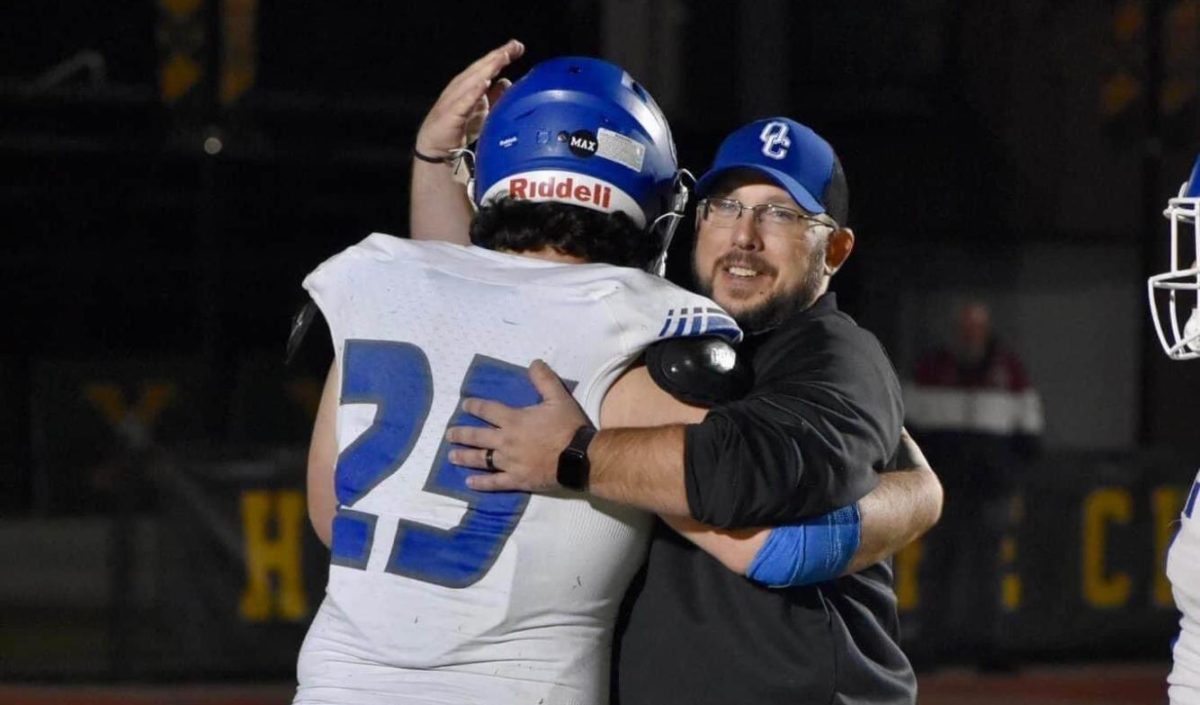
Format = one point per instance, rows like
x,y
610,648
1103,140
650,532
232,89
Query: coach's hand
x,y
525,443
455,119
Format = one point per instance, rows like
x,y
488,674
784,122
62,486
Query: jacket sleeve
x,y
809,439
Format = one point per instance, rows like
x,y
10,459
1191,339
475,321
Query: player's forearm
x,y
640,467
438,205
734,548
904,505
322,501
322,523
814,551
322,459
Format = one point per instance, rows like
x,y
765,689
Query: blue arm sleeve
x,y
812,552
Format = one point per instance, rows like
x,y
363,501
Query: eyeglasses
x,y
724,212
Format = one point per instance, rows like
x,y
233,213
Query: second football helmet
x,y
1175,294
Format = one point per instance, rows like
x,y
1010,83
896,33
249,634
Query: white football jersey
x,y
438,594
1183,568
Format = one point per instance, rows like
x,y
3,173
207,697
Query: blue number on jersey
x,y
1191,500
462,555
397,379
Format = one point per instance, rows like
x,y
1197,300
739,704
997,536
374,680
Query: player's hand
x,y
455,119
525,442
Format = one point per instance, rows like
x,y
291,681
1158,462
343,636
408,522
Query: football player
x,y
436,593
1175,308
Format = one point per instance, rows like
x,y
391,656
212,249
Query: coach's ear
x,y
838,249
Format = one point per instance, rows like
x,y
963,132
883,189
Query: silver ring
x,y
487,459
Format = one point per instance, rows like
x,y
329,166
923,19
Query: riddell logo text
x,y
566,190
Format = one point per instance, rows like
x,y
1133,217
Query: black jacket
x,y
823,417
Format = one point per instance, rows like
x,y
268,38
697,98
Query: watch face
x,y
572,469
573,465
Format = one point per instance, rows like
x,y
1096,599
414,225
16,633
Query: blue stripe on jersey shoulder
x,y
697,321
667,323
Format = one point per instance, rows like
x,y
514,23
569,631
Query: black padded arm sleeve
x,y
701,371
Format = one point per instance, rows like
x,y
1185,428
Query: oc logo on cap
x,y
774,137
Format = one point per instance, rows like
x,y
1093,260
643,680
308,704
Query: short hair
x,y
521,226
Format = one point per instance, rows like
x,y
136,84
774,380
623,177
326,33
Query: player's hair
x,y
520,226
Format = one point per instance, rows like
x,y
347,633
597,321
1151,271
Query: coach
x,y
823,418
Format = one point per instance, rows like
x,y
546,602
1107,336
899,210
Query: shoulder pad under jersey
x,y
705,371
300,325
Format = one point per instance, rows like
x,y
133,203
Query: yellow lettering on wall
x,y
178,75
1168,503
1101,508
239,48
908,573
181,35
1008,550
180,7
1129,18
1010,585
276,554
1011,592
1181,51
124,417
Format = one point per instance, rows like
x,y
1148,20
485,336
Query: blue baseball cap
x,y
799,160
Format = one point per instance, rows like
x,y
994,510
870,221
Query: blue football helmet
x,y
581,131
1180,284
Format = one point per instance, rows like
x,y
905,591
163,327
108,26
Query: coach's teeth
x,y
742,272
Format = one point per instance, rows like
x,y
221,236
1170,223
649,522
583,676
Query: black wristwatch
x,y
573,466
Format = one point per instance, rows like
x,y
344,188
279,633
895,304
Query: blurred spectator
x,y
979,420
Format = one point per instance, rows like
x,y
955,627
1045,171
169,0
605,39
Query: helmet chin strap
x,y
667,222
465,159
680,191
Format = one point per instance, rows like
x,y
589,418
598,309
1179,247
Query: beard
x,y
779,306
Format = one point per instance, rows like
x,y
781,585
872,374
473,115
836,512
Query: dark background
x,y
1019,152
